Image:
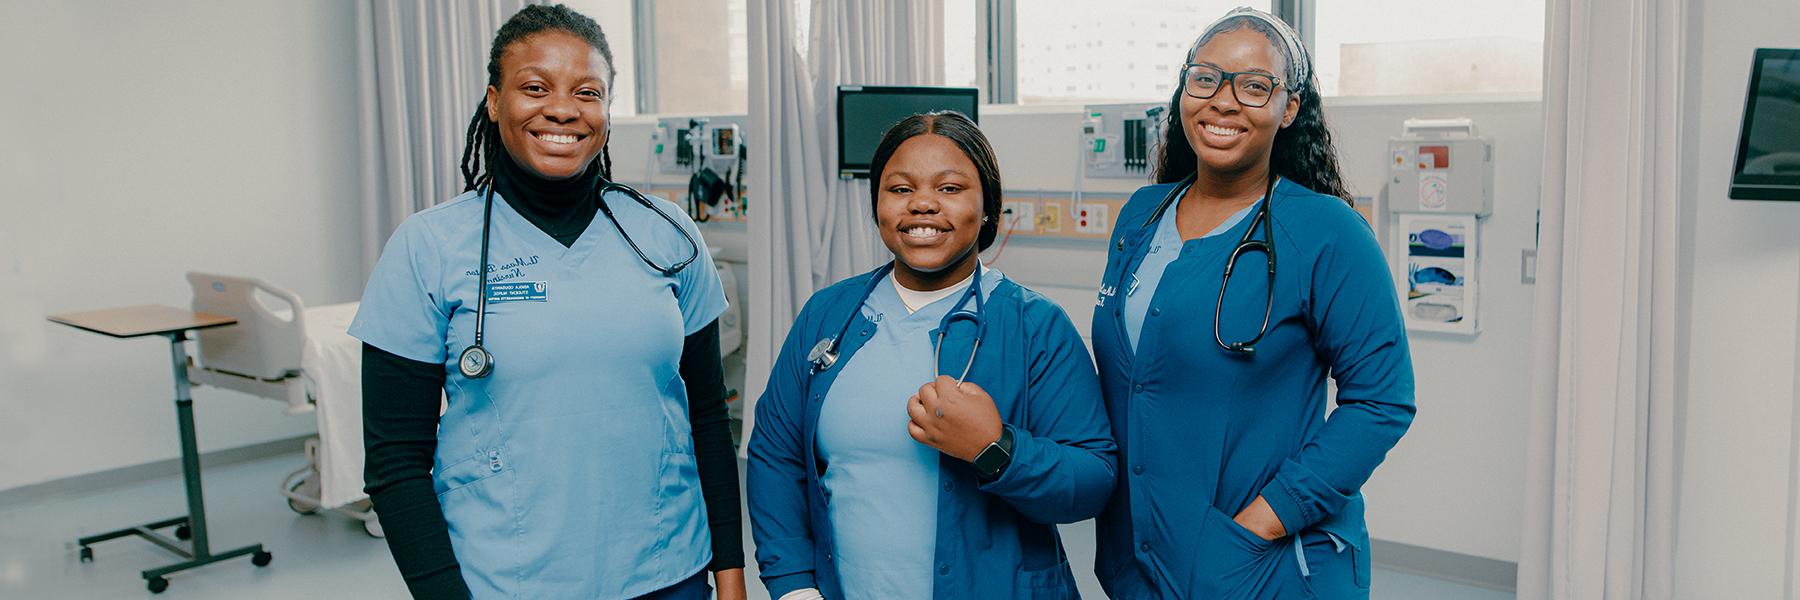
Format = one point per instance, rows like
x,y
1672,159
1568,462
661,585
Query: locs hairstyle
x,y
1303,150
483,139
966,136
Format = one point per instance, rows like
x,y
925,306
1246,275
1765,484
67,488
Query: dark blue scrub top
x,y
1202,432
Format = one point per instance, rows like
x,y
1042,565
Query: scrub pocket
x,y
478,467
1230,561
1055,582
477,496
1332,571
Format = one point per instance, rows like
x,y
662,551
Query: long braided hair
x,y
1303,150
482,143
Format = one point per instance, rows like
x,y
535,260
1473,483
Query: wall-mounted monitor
x,y
1768,152
865,112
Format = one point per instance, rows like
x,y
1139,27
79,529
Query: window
x,y
963,54
1120,50
696,55
1419,47
615,21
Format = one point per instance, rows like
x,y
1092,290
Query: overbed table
x,y
172,323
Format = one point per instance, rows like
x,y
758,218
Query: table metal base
x,y
193,526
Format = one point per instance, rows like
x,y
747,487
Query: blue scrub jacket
x,y
1203,432
994,539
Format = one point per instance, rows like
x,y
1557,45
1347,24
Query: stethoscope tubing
x,y
824,354
477,350
1246,244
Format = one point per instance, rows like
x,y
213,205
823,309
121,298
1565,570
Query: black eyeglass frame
x,y
1229,77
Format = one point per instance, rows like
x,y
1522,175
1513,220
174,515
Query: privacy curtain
x,y
422,68
1600,481
808,228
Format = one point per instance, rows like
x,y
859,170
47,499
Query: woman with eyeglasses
x,y
927,424
1233,481
571,325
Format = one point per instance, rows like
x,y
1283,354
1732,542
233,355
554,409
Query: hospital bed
x,y
304,358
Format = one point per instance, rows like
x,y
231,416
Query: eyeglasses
x,y
1251,89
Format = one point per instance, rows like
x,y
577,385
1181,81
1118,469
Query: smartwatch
x,y
993,460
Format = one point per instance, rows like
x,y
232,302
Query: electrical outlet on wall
x,y
1018,215
1049,220
1090,217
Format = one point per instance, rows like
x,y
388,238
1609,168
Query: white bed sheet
x,y
332,364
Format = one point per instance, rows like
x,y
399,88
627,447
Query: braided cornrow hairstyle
x,y
482,142
1303,150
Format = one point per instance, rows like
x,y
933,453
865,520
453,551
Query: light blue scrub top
x,y
569,471
1165,247
882,483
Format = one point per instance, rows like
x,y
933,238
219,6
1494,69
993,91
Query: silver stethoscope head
x,y
823,355
475,363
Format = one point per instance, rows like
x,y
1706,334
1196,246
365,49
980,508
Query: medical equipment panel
x,y
1440,185
1440,166
1048,214
1119,141
710,151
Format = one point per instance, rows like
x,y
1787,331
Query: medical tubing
x,y
868,288
979,317
600,198
487,221
1248,243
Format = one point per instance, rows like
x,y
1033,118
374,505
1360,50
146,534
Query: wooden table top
x,y
141,320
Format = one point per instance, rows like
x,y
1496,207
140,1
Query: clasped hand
x,y
958,419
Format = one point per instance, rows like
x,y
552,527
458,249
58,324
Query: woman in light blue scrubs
x,y
570,325
865,484
1234,482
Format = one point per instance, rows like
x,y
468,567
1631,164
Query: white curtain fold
x,y
422,68
811,228
1600,481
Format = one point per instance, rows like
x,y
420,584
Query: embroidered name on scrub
x,y
519,291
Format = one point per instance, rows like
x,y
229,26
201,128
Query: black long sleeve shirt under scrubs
x,y
400,416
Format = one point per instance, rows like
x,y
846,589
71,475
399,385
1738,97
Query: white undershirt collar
x,y
915,300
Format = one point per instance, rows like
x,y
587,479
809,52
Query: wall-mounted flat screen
x,y
865,112
1768,153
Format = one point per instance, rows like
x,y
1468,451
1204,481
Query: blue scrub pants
x,y
695,588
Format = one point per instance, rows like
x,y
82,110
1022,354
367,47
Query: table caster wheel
x,y
261,559
182,532
87,554
158,584
301,507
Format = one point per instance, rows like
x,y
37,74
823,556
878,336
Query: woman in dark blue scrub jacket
x,y
862,483
1234,482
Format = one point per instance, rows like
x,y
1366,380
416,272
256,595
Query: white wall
x,y
143,140
1734,532
1454,483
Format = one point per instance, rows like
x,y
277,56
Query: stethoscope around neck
x,y
824,354
1246,245
476,362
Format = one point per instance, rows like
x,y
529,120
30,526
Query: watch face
x,y
991,459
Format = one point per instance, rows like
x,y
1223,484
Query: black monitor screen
x,y
865,112
1768,156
